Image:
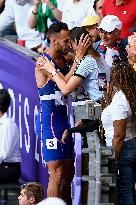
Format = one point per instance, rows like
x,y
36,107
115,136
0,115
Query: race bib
x,y
51,143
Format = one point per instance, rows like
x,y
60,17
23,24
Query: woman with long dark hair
x,y
119,122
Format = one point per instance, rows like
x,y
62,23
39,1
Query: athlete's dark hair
x,y
56,28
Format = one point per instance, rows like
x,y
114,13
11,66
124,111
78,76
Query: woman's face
x,y
73,45
131,58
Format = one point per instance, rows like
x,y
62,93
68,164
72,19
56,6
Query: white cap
x,y
52,201
110,22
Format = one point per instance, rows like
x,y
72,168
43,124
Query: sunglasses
x,y
104,32
25,186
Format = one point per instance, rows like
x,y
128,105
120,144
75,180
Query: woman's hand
x,y
79,123
82,46
64,137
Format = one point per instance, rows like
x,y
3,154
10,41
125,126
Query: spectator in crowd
x,y
10,157
131,50
119,122
88,72
18,11
98,7
10,30
90,23
31,193
74,11
52,201
43,14
110,47
53,119
125,10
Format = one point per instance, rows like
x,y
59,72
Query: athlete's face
x,y
63,41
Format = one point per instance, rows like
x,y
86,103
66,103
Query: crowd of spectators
x,y
100,40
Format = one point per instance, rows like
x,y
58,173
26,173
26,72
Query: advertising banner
x,y
17,74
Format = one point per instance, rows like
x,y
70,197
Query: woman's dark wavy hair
x,y
123,77
75,35
4,100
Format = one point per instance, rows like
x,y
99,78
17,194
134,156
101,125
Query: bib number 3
x,y
51,143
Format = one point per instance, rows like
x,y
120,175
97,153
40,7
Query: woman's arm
x,y
33,17
41,75
119,135
65,87
81,49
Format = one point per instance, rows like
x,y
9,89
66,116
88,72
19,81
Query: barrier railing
x,y
89,183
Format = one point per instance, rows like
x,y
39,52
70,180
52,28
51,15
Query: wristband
x,y
54,73
34,13
52,8
76,61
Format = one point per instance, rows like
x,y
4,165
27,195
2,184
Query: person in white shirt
x,y
52,201
74,11
10,157
18,11
45,10
42,15
119,122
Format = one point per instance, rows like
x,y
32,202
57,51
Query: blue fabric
x,y
58,114
127,173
